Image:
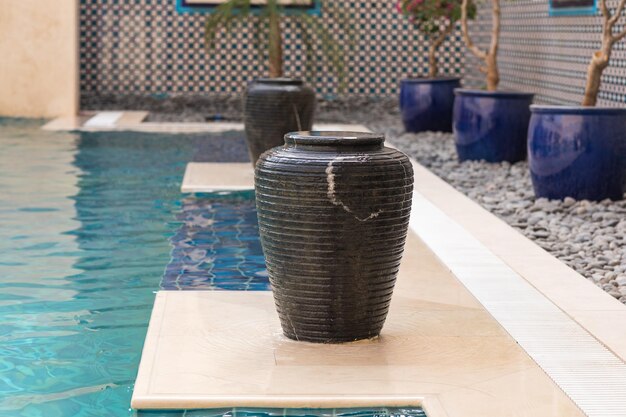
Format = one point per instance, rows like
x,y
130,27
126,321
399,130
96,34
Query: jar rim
x,y
493,94
279,80
430,80
591,110
334,138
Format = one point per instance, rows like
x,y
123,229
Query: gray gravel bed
x,y
203,108
588,236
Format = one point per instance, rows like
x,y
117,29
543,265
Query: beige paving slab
x,y
607,327
223,349
135,121
210,177
132,118
346,127
170,127
67,123
525,394
104,120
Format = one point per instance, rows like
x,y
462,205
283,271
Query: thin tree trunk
x,y
493,74
490,56
597,65
493,77
276,46
601,58
433,65
479,53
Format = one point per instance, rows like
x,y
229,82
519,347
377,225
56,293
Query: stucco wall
x,y
38,58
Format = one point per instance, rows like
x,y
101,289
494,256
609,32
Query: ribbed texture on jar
x,y
271,111
333,224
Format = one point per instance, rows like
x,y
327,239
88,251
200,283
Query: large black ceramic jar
x,y
333,211
274,107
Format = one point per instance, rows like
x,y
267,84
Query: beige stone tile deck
x,y
135,121
210,177
67,123
439,348
132,118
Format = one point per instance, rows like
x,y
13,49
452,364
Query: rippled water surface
x,y
86,223
217,247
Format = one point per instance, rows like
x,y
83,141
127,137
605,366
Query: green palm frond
x,y
331,50
261,35
223,17
320,43
309,50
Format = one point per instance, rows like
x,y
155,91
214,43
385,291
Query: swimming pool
x,y
91,225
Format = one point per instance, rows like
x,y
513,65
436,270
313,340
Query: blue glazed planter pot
x,y
577,152
426,104
491,125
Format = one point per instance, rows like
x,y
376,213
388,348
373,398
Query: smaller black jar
x,y
333,211
274,107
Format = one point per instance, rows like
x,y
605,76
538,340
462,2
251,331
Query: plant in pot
x,y
276,105
489,124
426,103
580,151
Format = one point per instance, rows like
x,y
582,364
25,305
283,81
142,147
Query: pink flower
x,y
414,4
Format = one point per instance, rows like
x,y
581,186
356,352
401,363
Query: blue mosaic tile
x,y
231,147
217,246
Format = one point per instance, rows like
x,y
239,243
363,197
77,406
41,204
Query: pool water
x,y
91,226
217,247
86,225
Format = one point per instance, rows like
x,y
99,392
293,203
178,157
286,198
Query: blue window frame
x,y
573,7
313,7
